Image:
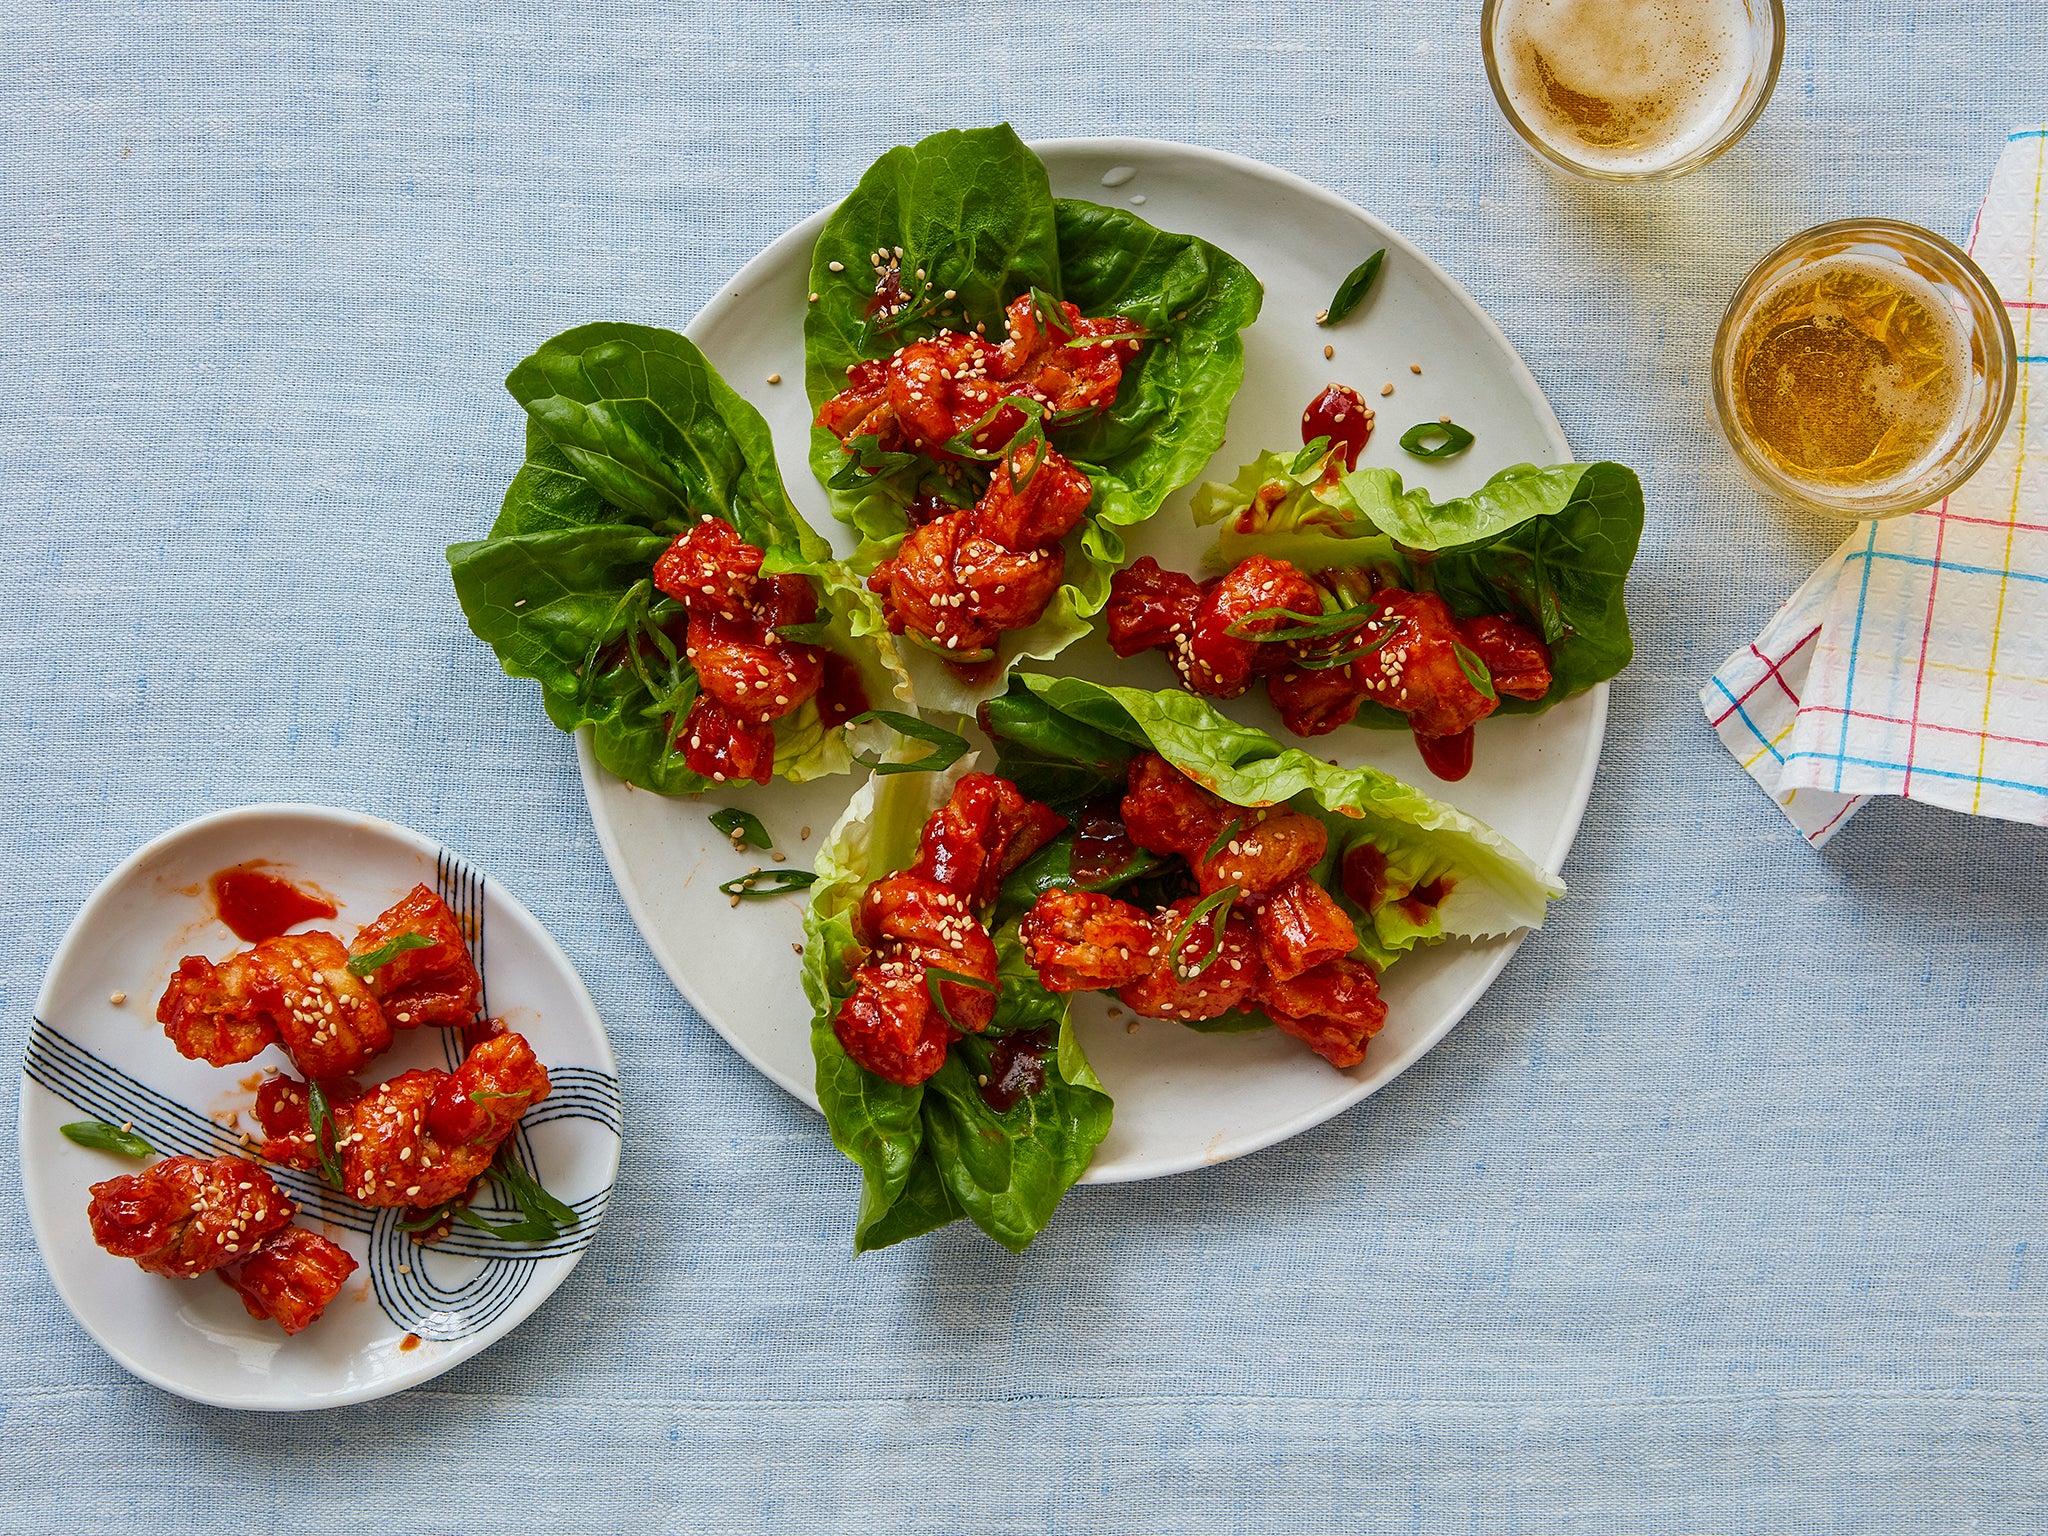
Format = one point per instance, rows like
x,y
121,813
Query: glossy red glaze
x,y
257,905
841,696
1016,1069
1340,414
1448,757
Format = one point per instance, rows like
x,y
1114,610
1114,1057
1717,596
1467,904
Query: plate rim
x,y
804,233
531,1296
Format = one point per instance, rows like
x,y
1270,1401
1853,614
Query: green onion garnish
x,y
1313,452
743,827
320,1119
360,966
769,882
963,658
1353,288
1474,669
102,1137
1223,838
948,747
1455,439
1218,903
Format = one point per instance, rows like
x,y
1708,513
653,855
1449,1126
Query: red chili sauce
x,y
1102,844
1448,757
1341,415
257,905
840,696
1016,1068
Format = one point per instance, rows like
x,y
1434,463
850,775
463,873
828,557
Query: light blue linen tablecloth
x,y
1723,1211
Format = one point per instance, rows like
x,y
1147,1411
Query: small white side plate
x,y
408,1313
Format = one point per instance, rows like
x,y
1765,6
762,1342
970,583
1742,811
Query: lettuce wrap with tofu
x,y
631,438
969,224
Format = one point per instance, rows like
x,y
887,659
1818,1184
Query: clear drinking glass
x,y
1803,383
1632,90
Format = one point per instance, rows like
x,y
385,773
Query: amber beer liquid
x,y
1629,88
1864,368
1849,374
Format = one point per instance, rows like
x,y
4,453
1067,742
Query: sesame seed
x,y
774,378
1415,367
117,998
836,266
1329,352
1387,388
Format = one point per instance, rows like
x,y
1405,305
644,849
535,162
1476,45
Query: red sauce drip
x,y
476,1034
1365,875
1341,415
1016,1068
1102,845
888,291
258,906
840,696
1422,902
977,674
1448,757
408,1344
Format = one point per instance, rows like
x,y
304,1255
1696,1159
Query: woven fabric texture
x,y
1723,1211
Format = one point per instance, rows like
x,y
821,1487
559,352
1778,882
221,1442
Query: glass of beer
x,y
1865,368
1632,90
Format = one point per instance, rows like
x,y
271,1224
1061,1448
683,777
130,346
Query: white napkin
x,y
1915,661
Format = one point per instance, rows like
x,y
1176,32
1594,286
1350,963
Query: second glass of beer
x,y
1632,90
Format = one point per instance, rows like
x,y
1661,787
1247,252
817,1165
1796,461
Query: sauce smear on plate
x,y
257,905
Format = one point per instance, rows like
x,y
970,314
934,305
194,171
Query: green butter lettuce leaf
x,y
1549,545
1007,1170
1486,886
973,212
632,436
970,209
937,1152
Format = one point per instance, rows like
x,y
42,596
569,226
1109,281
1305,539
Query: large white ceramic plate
x,y
407,1313
1182,1098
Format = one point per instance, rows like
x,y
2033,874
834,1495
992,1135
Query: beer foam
x,y
1624,85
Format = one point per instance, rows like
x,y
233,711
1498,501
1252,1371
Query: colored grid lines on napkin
x,y
1915,661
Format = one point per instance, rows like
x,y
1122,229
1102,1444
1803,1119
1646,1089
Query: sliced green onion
x,y
430,1218
769,882
102,1137
964,658
360,966
865,461
527,1229
1345,658
743,826
1051,315
1353,288
1455,439
1223,838
1313,452
1306,627
1474,669
934,974
320,1119
523,1187
1217,903
948,747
